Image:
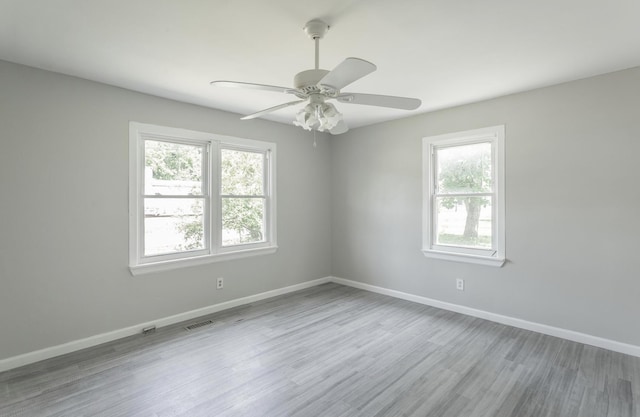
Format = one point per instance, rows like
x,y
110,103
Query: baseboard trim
x,y
574,336
47,353
50,352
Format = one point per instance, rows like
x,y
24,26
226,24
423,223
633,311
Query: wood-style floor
x,y
331,351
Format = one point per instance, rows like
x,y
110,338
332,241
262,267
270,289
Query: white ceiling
x,y
444,52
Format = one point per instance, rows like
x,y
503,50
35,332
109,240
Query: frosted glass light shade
x,y
318,116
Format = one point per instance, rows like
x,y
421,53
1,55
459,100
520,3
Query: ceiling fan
x,y
317,86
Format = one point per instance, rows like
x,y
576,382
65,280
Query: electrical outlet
x,y
460,284
220,283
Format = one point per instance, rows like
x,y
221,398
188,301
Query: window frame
x,y
211,189
491,257
265,190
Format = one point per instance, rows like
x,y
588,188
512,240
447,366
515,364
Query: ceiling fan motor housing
x,y
307,81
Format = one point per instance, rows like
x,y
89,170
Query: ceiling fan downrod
x,y
316,30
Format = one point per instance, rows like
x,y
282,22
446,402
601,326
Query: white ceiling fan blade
x,y
340,128
403,103
253,86
348,71
271,109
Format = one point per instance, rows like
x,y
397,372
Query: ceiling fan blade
x,y
253,86
340,128
348,71
403,103
271,109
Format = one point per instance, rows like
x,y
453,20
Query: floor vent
x,y
198,325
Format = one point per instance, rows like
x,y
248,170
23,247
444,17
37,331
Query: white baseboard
x,y
498,318
50,352
38,355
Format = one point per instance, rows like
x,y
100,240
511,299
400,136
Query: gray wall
x,y
350,208
64,212
572,200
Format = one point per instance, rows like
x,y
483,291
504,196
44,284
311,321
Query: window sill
x,y
459,257
141,269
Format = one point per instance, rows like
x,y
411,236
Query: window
x,y
463,205
243,198
197,198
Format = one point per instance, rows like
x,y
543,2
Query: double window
x,y
464,196
197,197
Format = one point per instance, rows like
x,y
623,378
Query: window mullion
x,y
266,215
186,196
215,227
206,190
242,196
463,195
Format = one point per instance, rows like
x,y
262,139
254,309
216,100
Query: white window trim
x,y
494,257
214,252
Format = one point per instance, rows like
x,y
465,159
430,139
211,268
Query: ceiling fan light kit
x,y
318,116
318,85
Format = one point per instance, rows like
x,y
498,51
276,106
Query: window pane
x,y
464,222
242,221
464,169
172,168
173,225
242,172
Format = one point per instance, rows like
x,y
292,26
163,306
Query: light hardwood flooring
x,y
331,351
